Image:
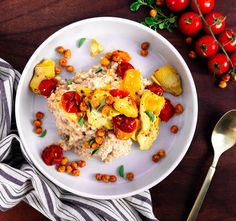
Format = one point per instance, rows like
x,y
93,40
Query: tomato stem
x,y
209,28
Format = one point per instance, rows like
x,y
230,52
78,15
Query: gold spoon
x,y
223,137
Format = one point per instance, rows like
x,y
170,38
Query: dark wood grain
x,y
25,24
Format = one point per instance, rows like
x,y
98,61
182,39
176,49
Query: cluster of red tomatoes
x,y
216,37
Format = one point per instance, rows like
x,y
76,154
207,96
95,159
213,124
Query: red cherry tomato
x,y
205,6
206,46
47,86
52,154
156,89
70,101
123,67
176,5
119,93
228,40
216,21
190,23
233,59
167,111
126,124
218,64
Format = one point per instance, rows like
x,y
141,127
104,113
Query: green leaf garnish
x,y
43,134
122,171
151,115
81,121
136,5
69,81
98,71
90,106
101,105
81,42
94,151
91,141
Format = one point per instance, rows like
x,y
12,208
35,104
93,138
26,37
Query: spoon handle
x,y
201,195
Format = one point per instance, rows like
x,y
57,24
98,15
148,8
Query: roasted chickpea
x,y
39,115
61,168
113,178
105,62
38,130
145,45
161,153
81,163
69,68
64,161
144,53
109,100
108,55
130,176
86,144
174,129
98,176
105,178
156,158
67,53
37,123
106,109
74,165
60,49
99,140
179,108
69,169
94,145
83,106
62,62
75,173
95,104
101,132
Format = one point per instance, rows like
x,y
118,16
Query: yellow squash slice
x,y
95,48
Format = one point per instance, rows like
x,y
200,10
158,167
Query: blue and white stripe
x,y
21,181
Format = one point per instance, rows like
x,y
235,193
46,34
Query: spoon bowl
x,y
223,137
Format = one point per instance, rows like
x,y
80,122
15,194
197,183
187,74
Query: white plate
x,y
112,33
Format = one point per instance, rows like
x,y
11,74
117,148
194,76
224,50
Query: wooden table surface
x,y
25,24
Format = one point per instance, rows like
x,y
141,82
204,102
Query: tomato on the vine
x,y
228,40
70,101
126,124
47,86
218,64
177,5
216,21
233,59
123,67
190,23
206,46
205,6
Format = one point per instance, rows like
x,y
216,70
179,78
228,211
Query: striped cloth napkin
x,y
19,180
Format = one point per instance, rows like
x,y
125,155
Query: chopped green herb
x,y
98,71
90,106
91,141
43,134
81,42
122,171
69,81
94,151
101,105
81,121
151,115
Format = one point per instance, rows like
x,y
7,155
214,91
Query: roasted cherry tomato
x,y
70,101
47,86
176,5
155,88
216,21
233,59
206,46
205,6
167,111
123,67
218,64
52,154
228,40
126,124
190,23
119,93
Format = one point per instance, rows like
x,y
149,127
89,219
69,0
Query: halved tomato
x,y
52,154
119,93
126,124
123,67
155,88
167,111
47,86
70,101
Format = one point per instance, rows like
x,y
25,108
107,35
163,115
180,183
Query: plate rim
x,y
188,140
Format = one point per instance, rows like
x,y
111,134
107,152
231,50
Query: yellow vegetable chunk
x,y
43,70
132,82
72,116
169,79
100,95
126,106
98,120
84,91
95,48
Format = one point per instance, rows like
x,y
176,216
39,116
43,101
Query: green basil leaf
x,y
90,106
150,21
101,105
81,42
94,151
98,71
69,81
135,6
81,121
151,115
122,171
91,141
161,25
43,134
